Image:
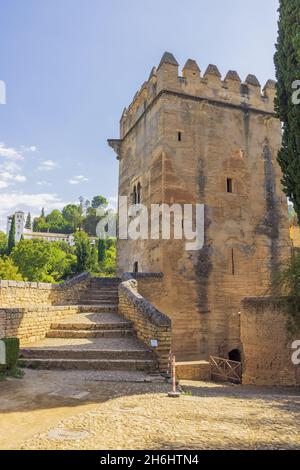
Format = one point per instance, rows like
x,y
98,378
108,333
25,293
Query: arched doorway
x,y
235,355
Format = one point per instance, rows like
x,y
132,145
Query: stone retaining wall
x,y
267,345
149,323
31,324
21,294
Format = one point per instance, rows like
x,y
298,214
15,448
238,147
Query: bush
x,y
287,280
12,349
287,284
42,261
9,271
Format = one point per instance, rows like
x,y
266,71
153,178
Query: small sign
x,y
2,353
154,343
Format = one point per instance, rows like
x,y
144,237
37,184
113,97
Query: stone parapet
x,y
148,322
210,86
21,294
31,324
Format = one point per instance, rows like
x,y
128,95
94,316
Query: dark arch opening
x,y
138,193
135,267
134,195
235,355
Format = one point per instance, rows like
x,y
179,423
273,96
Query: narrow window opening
x,y
179,135
135,267
134,195
232,263
229,185
138,194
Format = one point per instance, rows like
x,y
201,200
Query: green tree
x,y
101,250
110,264
107,256
40,225
94,266
83,252
42,261
56,222
287,62
8,271
28,221
12,236
90,222
73,216
3,244
99,201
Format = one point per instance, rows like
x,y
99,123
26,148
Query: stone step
x,y
81,354
110,292
98,302
96,333
97,308
104,288
89,364
104,291
91,326
101,284
104,298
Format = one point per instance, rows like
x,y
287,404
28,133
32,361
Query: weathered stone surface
x,y
193,370
148,322
224,134
15,294
267,344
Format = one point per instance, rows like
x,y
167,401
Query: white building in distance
x,y
21,231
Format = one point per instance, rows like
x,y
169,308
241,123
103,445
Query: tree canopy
x,y
38,260
287,62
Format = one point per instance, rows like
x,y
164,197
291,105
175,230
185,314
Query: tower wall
x,y
228,131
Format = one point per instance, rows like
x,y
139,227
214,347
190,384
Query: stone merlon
x,y
168,58
166,78
233,75
212,70
191,65
252,80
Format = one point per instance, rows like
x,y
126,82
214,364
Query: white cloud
x,y
18,200
10,169
47,165
32,148
43,183
10,152
78,179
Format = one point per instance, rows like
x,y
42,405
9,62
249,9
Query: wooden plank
x,y
226,369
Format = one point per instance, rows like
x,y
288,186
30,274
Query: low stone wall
x,y
149,323
267,344
21,294
194,370
31,324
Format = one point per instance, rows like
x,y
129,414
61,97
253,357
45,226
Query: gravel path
x,y
97,410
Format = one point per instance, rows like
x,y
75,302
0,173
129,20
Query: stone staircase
x,y
98,338
101,292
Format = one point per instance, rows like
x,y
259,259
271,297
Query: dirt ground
x,y
113,410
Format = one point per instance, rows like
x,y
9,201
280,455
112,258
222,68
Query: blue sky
x,y
70,67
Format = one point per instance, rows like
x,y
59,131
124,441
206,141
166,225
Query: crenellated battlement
x,y
210,86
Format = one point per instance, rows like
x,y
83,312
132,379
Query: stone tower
x,y
200,139
20,224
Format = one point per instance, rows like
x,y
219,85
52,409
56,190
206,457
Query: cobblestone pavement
x,y
76,410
